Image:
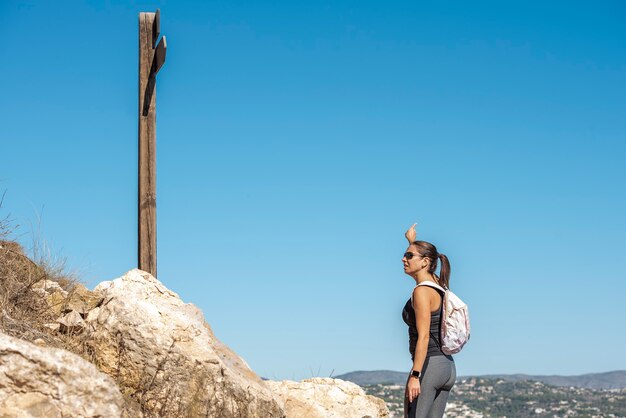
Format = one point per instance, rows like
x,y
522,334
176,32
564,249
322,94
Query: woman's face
x,y
415,263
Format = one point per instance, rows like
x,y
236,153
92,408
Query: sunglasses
x,y
409,255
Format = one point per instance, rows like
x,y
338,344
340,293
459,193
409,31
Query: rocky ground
x,y
133,348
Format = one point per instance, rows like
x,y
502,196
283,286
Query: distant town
x,y
598,395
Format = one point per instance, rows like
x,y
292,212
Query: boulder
x,y
50,382
325,397
165,357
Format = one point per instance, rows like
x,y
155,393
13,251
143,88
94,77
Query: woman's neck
x,y
419,278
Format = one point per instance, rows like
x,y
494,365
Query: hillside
x,y
484,398
606,380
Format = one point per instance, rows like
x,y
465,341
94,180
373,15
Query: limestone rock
x,y
92,316
81,300
60,301
56,301
71,323
327,398
50,383
54,326
43,287
165,357
53,293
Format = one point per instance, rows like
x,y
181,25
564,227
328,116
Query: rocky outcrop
x,y
327,398
165,357
52,383
166,362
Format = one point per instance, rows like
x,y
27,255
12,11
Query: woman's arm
x,y
421,305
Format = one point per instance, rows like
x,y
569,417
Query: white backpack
x,y
455,323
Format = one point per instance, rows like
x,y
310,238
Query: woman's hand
x,y
413,388
411,234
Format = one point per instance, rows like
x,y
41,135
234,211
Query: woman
x,y
433,373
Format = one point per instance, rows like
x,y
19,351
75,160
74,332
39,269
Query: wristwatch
x,y
416,373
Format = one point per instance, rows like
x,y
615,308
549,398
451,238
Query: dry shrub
x,y
24,312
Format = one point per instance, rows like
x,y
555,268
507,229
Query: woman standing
x,y
433,373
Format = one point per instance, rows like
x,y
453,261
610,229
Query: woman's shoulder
x,y
426,290
425,293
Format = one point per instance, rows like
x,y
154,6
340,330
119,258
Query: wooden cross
x,y
151,58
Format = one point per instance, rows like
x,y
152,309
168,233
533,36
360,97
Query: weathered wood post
x,y
151,58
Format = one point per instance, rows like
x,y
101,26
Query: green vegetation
x,y
520,399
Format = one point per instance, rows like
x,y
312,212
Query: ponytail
x,y
444,273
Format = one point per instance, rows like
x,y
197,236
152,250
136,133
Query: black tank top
x,y
434,342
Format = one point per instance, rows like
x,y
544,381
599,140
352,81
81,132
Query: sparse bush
x,y
24,312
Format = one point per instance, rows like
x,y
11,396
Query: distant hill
x,y
375,377
606,380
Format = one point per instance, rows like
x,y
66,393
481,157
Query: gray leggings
x,y
436,381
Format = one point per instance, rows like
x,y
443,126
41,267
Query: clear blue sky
x,y
297,141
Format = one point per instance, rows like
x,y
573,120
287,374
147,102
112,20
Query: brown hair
x,y
428,250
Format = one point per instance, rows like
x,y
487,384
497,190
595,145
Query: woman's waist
x,y
433,348
434,330
439,356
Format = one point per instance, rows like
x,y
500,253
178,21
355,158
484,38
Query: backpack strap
x,y
431,284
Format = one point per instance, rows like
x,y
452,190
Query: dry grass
x,y
24,312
